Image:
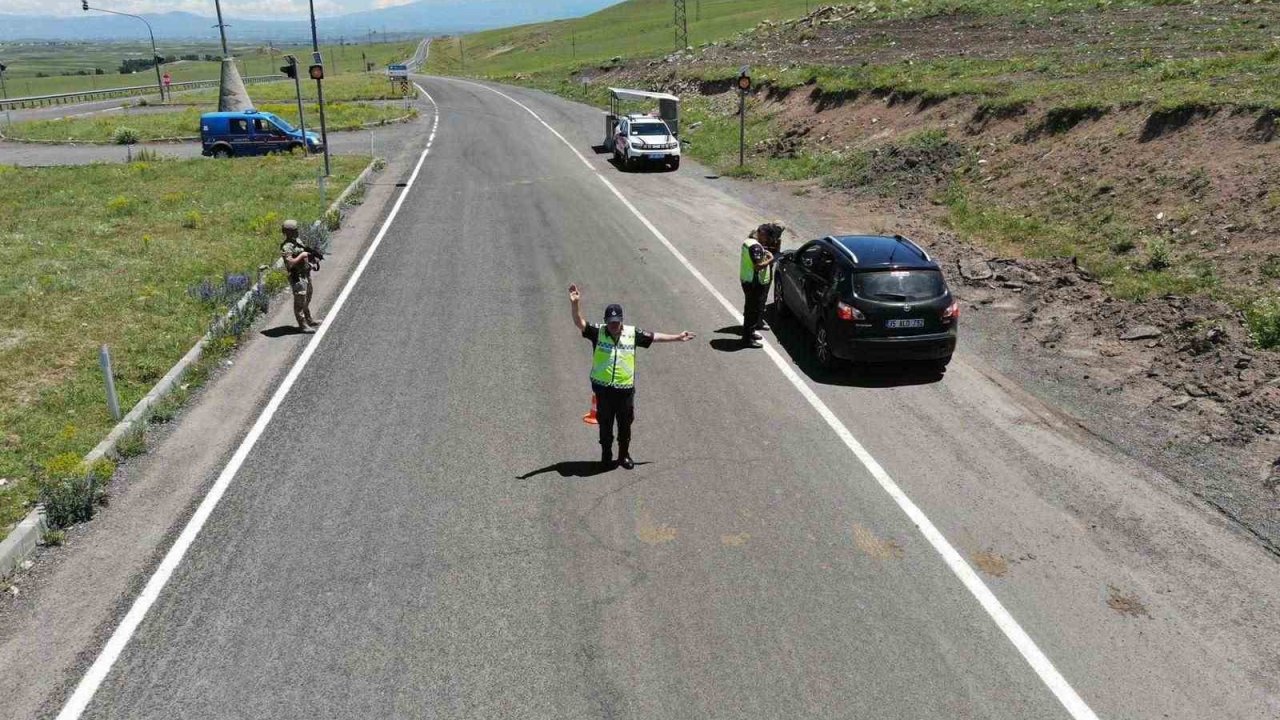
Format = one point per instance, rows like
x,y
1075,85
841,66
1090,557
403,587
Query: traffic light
x,y
744,78
290,71
84,5
317,72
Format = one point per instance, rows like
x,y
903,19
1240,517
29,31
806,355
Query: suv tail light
x,y
849,313
951,314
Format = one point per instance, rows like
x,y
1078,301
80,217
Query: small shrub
x,y
69,499
53,538
1271,267
931,139
125,136
167,409
192,219
1122,245
121,205
133,444
143,156
65,464
1263,318
1158,256
333,219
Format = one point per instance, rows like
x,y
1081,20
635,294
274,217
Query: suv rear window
x,y
899,285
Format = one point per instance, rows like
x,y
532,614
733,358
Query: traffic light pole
x,y
292,71
315,50
155,57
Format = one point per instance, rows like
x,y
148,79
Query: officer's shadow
x,y
575,469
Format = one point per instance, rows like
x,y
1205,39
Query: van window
x,y
239,126
265,127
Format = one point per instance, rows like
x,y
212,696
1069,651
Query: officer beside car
x,y
759,251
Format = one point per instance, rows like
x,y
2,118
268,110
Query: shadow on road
x,y
575,468
284,330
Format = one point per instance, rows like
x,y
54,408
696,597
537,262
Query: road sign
x,y
398,71
404,86
168,80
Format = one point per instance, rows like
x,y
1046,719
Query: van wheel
x,y
222,152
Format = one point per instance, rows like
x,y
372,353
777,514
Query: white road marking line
x,y
97,672
1038,661
92,112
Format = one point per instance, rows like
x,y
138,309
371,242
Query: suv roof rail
x,y
913,246
841,246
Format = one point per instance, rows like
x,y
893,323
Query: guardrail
x,y
89,95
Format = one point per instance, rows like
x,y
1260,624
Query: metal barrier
x,y
90,95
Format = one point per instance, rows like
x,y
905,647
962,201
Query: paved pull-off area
x,y
421,531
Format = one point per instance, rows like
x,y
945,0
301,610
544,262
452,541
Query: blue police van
x,y
251,132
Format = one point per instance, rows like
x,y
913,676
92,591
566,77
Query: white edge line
x,y
97,673
1036,658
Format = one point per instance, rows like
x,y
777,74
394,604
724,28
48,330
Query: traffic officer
x,y
613,373
756,273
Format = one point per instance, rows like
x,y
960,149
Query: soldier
x,y
613,373
300,264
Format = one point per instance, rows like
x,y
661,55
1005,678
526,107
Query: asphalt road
x,y
420,531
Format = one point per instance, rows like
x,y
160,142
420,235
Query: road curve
x,y
419,532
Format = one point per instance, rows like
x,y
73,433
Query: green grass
x,y
343,88
25,60
105,254
102,128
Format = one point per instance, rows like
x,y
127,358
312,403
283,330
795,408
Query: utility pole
x,y
462,58
682,26
744,84
222,29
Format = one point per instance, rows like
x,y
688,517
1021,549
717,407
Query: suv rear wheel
x,y
822,349
222,152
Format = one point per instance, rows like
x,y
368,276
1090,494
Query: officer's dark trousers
x,y
614,404
753,307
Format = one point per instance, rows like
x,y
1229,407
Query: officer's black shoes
x,y
606,457
752,343
764,326
626,462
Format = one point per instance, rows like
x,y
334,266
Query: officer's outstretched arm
x,y
685,336
574,298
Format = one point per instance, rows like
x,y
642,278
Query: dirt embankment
x,y
1189,193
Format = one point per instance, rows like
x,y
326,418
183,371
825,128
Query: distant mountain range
x,y
427,16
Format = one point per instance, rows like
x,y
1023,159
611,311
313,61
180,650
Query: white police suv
x,y
641,139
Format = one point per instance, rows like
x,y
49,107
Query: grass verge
x,y
341,88
118,255
186,123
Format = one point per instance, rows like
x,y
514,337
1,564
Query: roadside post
x,y
744,84
399,76
4,92
290,69
113,401
167,81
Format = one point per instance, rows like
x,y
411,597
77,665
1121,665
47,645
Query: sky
x,y
253,9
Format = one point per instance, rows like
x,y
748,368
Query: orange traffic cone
x,y
590,417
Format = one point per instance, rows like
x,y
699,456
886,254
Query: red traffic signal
x,y
317,72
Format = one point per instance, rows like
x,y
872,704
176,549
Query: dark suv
x,y
868,298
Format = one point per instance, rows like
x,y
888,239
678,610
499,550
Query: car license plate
x,y
654,156
909,323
